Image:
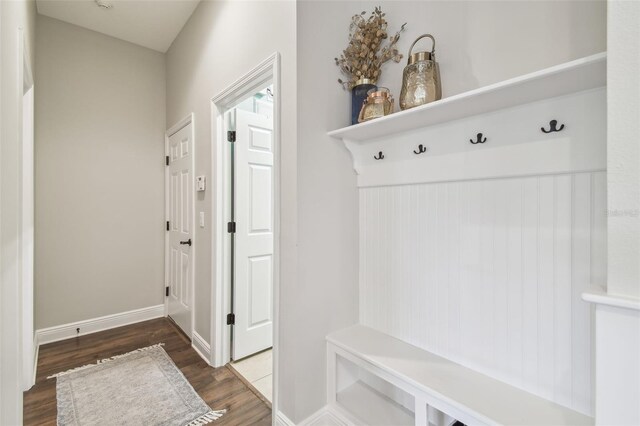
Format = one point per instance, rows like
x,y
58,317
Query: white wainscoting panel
x,y
489,273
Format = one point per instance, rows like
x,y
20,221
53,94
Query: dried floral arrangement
x,y
365,55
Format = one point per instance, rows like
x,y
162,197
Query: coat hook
x,y
552,127
421,149
479,139
379,157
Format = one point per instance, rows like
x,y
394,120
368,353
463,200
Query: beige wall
x,y
478,43
13,15
221,42
484,42
100,105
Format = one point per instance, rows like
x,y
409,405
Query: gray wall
x,y
100,105
220,43
478,43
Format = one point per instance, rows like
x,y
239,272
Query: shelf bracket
x,y
352,147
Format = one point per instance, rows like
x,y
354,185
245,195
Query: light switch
x,y
201,219
201,183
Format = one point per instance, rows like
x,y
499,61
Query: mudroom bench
x,y
376,379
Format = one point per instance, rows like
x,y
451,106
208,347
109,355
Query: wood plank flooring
x,y
218,387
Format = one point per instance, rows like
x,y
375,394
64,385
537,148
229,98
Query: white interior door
x,y
254,217
179,256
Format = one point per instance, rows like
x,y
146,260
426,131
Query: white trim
x,y
27,218
4,386
189,119
201,347
601,297
325,416
67,331
36,354
179,125
282,420
268,71
257,78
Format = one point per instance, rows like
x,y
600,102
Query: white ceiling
x,y
149,23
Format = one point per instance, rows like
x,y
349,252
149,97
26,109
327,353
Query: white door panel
x,y
180,202
260,218
254,234
260,272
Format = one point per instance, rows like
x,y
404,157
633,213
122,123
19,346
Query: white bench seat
x,y
465,394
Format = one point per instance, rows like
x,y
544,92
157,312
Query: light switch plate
x,y
201,183
201,219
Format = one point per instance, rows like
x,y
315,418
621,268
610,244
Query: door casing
x,y
26,208
172,130
264,74
27,225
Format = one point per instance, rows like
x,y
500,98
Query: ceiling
x,y
149,23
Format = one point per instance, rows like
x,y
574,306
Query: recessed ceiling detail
x,y
149,23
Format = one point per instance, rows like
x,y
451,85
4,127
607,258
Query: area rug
x,y
143,387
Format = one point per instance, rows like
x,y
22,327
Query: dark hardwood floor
x,y
218,387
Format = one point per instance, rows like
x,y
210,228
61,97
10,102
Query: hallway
x,y
219,387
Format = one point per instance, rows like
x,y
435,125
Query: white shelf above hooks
x,y
510,120
571,77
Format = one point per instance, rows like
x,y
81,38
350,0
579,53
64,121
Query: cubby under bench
x,y
376,379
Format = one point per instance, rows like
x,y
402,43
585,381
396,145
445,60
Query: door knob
x,y
186,243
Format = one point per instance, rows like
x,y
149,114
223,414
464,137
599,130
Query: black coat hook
x,y
379,157
478,140
552,127
421,149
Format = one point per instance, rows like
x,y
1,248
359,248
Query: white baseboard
x,y
36,353
326,416
282,420
201,347
30,375
67,331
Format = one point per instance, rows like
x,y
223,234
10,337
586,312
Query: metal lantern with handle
x,y
420,78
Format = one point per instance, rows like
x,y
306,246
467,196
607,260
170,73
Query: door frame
x,y
265,73
189,119
27,219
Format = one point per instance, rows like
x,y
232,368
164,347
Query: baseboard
x,y
326,416
67,331
36,353
201,347
282,420
30,380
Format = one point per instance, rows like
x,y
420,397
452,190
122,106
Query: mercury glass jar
x,y
420,78
379,103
